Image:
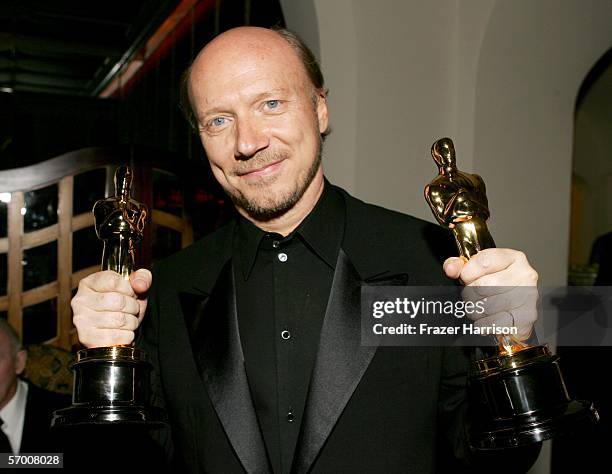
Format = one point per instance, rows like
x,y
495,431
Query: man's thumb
x,y
141,280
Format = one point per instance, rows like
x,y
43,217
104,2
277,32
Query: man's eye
x,y
272,104
217,121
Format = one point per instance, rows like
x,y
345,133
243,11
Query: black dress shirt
x,y
282,288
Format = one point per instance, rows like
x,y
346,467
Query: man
x,y
254,331
25,409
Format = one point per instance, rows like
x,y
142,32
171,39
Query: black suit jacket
x,y
369,409
40,405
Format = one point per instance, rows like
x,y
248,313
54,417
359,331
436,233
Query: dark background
x,y
56,57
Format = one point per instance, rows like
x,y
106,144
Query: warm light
x,y
509,345
5,197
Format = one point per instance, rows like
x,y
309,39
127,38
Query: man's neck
x,y
291,219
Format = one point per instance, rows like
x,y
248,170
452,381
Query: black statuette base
x,y
111,386
106,415
519,399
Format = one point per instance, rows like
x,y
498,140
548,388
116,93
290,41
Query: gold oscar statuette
x,y
517,396
120,222
111,384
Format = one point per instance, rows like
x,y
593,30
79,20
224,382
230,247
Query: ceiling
x,y
72,47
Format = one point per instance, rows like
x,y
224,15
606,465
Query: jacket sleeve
x,y
147,339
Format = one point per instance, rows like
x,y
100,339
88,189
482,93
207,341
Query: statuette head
x,y
443,152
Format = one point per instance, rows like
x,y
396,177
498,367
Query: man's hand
x,y
505,282
107,308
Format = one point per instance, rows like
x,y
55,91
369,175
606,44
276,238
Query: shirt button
x,y
275,244
290,417
285,334
282,257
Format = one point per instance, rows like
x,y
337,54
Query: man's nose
x,y
250,138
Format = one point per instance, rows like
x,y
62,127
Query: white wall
x,y
500,77
531,66
336,30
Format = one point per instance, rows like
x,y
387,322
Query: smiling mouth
x,y
265,170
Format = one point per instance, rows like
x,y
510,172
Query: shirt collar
x,y
322,231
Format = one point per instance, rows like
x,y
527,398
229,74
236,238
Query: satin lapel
x,y
341,362
218,355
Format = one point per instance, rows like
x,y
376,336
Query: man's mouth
x,y
262,171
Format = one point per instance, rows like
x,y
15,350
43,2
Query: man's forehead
x,y
245,73
239,50
252,85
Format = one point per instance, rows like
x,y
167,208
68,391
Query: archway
x,y
590,219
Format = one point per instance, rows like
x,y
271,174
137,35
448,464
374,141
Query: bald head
x,y
238,43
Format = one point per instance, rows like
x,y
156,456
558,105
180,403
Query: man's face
x,y
260,120
11,365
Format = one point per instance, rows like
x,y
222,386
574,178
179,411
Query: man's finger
x,y
478,293
105,320
525,297
514,318
505,280
107,281
140,281
143,308
453,266
503,319
105,337
116,302
102,302
486,262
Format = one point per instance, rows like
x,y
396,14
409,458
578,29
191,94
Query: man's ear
x,y
322,111
20,361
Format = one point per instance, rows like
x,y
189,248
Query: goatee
x,y
263,211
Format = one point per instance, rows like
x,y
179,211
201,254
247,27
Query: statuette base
x,y
520,398
111,386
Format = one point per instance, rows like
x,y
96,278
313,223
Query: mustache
x,y
260,160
